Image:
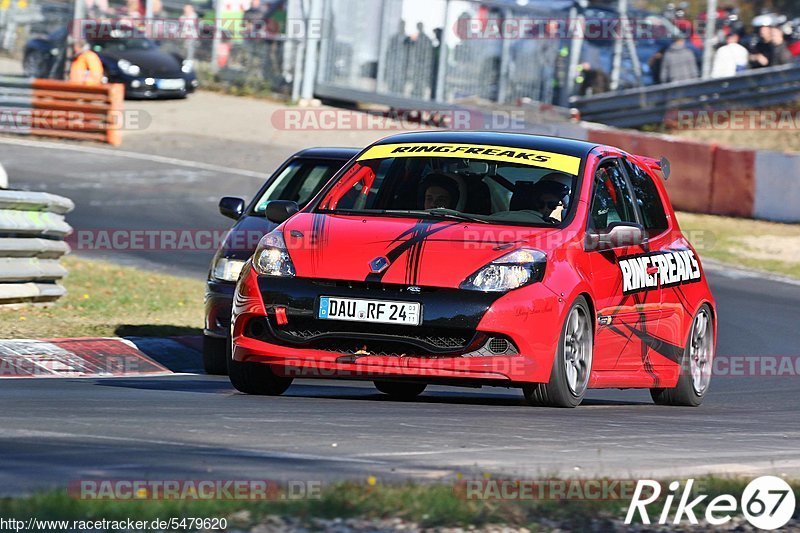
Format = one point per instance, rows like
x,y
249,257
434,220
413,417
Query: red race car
x,y
475,259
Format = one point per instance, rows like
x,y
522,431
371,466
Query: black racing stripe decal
x,y
412,240
319,227
671,351
642,333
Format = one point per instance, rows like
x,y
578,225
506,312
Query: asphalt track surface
x,y
197,427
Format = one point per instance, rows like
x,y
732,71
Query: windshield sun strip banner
x,y
521,156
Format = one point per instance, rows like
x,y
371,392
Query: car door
x,y
627,313
670,253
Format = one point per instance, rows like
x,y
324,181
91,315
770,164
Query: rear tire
x,y
572,366
696,365
256,378
400,390
214,356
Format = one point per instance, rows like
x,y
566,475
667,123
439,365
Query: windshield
x,y
121,45
298,182
476,183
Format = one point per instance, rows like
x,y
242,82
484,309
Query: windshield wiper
x,y
440,212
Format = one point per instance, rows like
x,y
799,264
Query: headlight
x,y
187,66
509,272
128,68
272,258
228,269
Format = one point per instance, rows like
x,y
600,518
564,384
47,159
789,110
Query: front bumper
x,y
218,306
147,88
449,344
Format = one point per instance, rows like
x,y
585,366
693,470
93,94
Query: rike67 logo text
x,y
767,502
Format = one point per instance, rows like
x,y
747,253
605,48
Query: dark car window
x,y
612,201
122,45
298,182
650,205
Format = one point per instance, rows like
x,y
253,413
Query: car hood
x,y
153,62
243,238
423,252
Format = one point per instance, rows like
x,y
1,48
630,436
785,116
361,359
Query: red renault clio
x,y
476,259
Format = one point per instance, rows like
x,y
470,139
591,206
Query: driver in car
x,y
439,191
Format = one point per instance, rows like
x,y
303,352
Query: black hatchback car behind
x,y
298,180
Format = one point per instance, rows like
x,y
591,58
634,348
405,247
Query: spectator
x,y
97,9
86,69
761,53
679,63
189,15
397,60
655,64
276,18
593,80
134,9
253,19
730,58
421,54
188,21
437,50
781,55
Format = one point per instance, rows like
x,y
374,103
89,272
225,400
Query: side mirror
x,y
617,235
279,211
231,207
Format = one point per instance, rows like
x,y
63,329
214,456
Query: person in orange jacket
x,y
86,67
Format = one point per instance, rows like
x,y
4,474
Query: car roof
x,y
345,154
544,143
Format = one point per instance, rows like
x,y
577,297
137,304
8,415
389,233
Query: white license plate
x,y
375,311
171,85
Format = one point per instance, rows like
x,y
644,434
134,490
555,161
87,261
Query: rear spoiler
x,y
658,165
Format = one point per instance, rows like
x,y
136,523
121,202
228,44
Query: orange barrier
x,y
733,182
62,109
690,184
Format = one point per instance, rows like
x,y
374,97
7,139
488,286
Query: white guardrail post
x,y
32,232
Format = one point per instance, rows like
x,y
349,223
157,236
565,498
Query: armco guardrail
x,y
650,105
61,109
32,232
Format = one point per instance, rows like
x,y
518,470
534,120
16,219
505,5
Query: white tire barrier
x,y
32,232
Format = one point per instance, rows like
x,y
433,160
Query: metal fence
x,y
32,231
427,50
650,105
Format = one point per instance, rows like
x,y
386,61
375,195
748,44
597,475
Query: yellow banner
x,y
521,156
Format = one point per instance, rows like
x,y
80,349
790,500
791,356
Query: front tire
x,y
256,378
215,361
400,390
572,367
35,64
696,365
